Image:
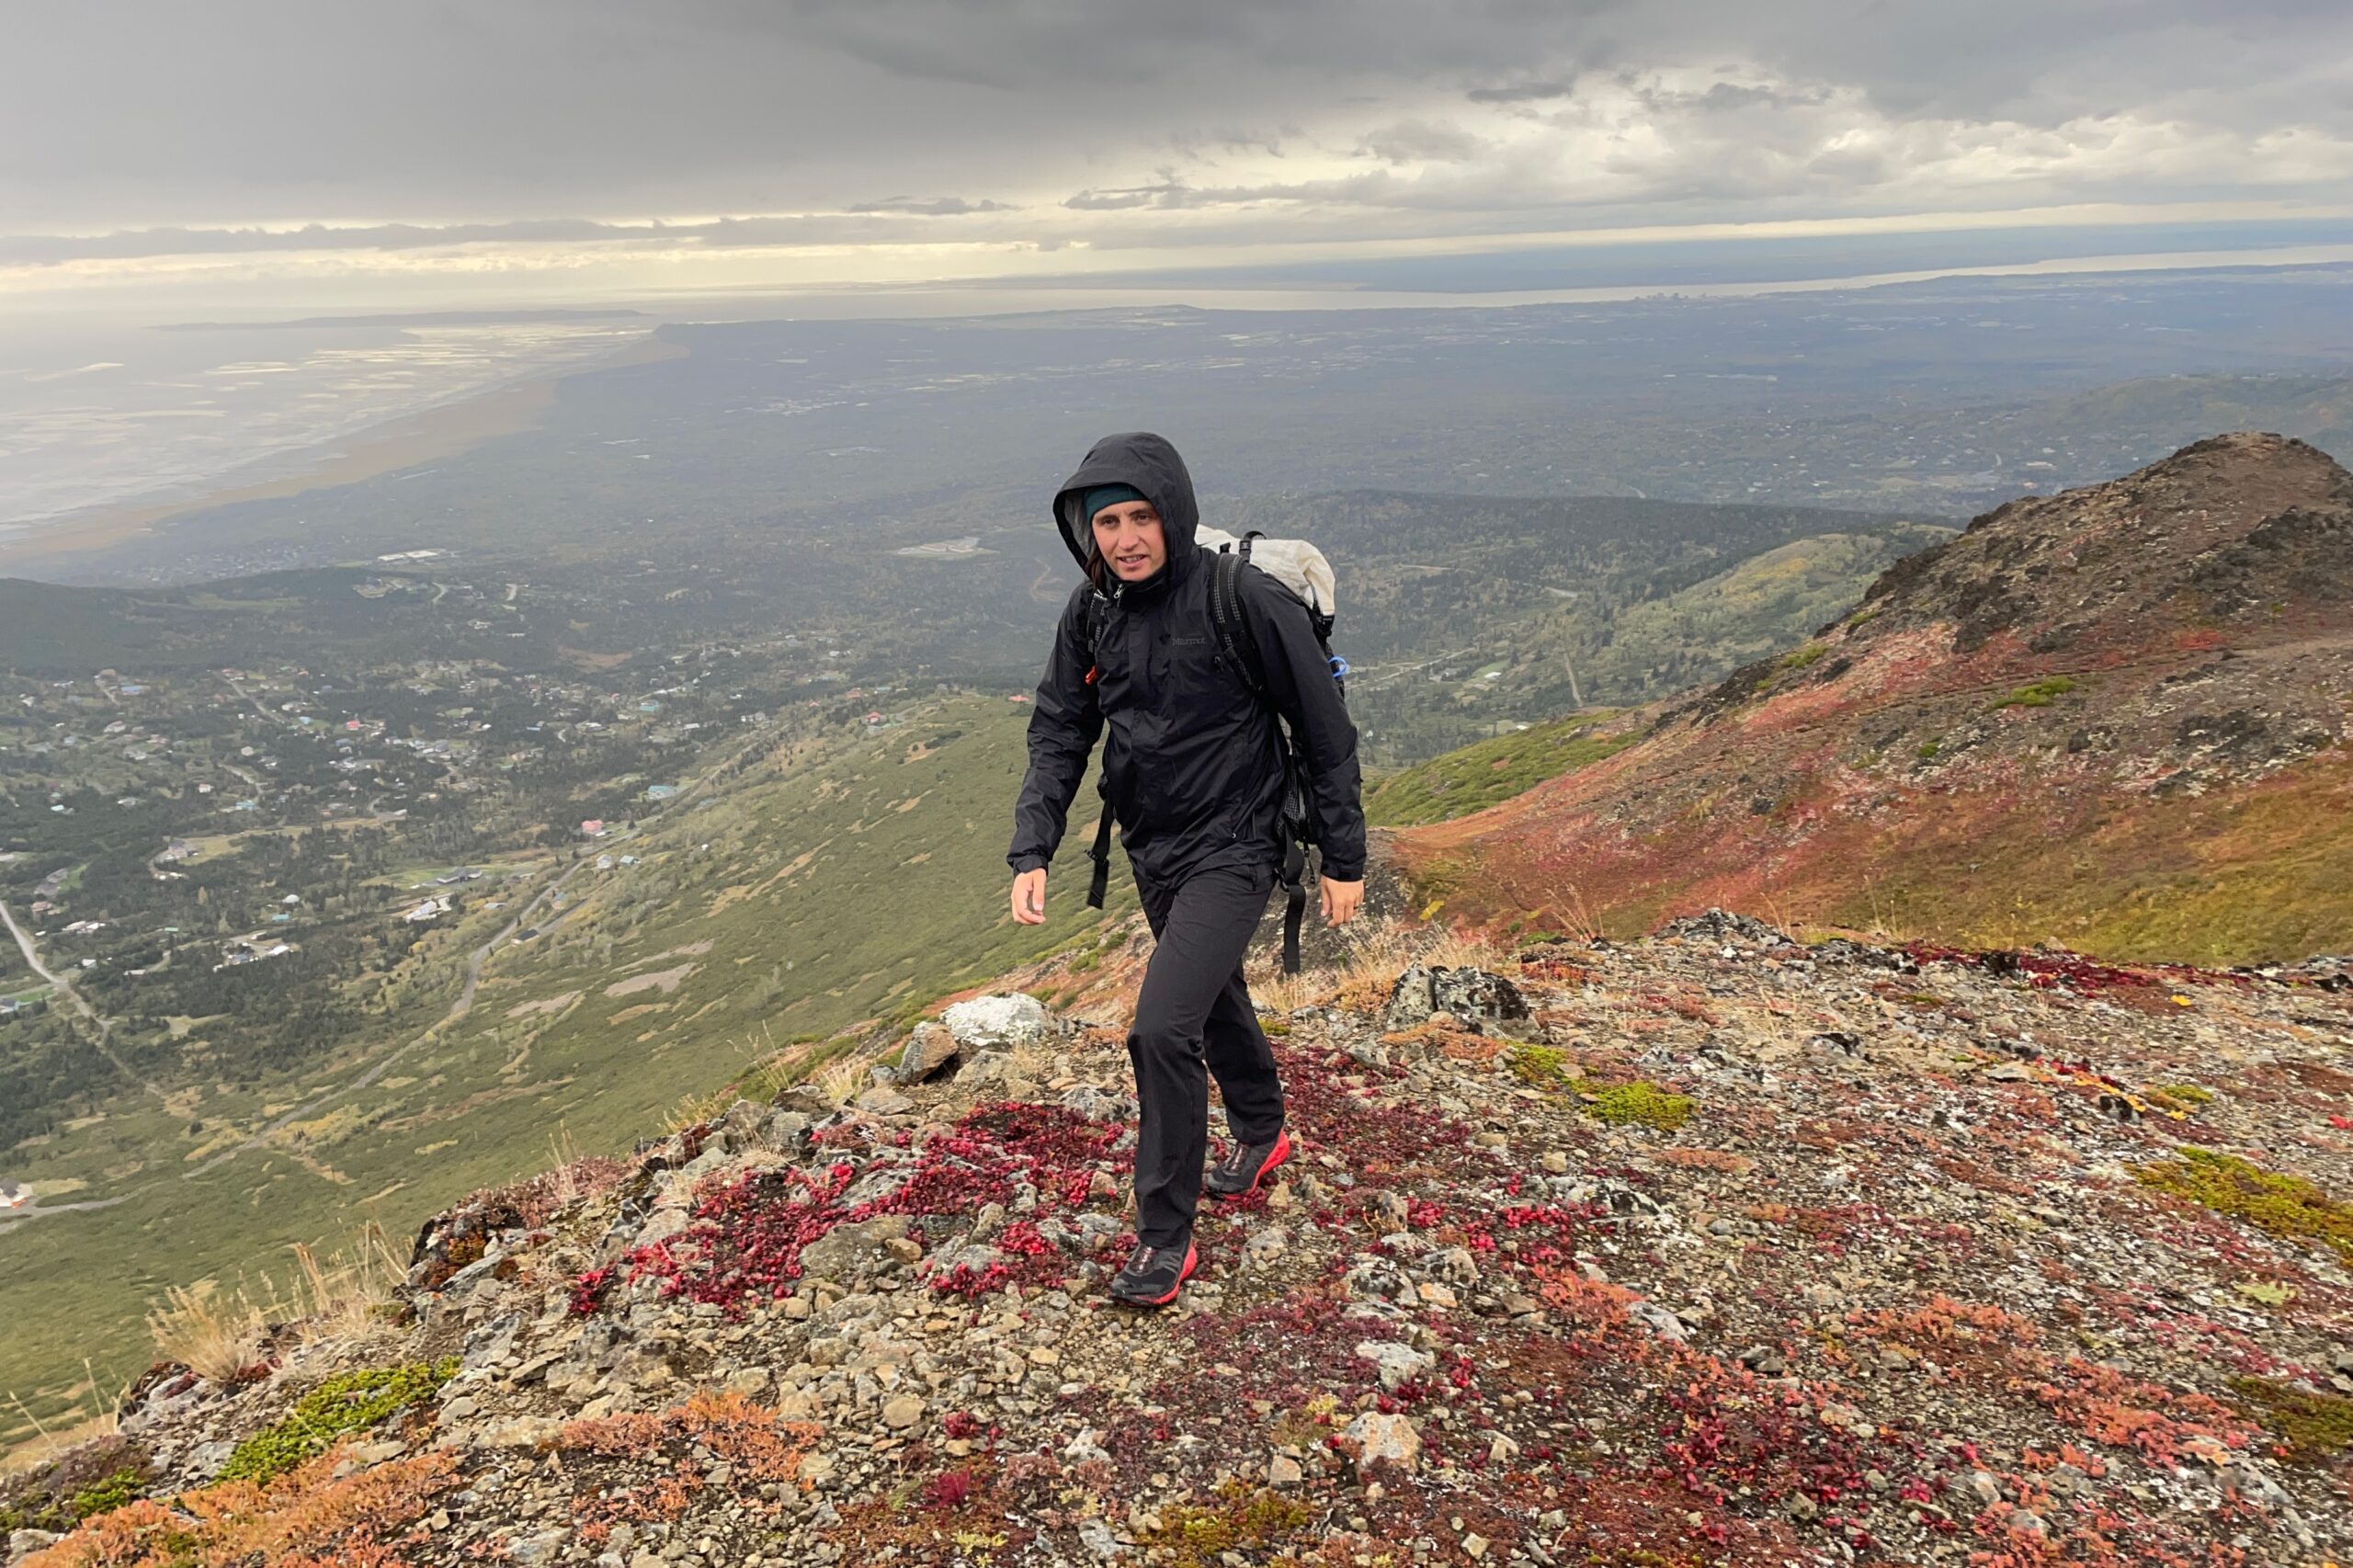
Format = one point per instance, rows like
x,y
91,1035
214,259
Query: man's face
x,y
1128,535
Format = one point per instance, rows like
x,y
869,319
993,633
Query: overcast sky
x,y
565,149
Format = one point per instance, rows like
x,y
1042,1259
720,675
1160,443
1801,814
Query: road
x,y
464,1003
96,1020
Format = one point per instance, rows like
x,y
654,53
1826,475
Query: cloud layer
x,y
728,141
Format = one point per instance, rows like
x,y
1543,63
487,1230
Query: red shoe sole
x,y
1275,1156
1192,1261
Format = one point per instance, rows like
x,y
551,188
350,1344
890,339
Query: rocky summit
x,y
2115,719
1711,1248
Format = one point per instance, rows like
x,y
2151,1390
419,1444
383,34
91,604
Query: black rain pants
x,y
1194,1021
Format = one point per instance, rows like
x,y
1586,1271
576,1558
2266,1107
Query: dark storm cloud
x,y
145,128
1518,93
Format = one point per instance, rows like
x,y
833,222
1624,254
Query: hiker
x,y
1195,774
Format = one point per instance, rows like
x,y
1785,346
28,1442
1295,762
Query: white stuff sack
x,y
1295,563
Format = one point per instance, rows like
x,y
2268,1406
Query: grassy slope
x,y
1703,633
1490,771
873,866
2255,876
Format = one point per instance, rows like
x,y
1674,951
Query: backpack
x,y
1307,576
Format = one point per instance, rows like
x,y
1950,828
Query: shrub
x,y
2315,1427
2285,1206
2039,693
350,1401
1644,1104
1540,1066
1195,1537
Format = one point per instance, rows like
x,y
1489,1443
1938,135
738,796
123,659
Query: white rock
x,y
1397,1362
1390,1438
997,1023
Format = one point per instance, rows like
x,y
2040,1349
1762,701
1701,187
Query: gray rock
x,y
1265,1246
660,1226
24,1543
976,1256
1474,995
883,1100
786,1130
847,1251
540,1546
520,1432
877,1185
1386,1438
1453,1265
1100,1105
807,1100
1477,995
1657,1319
930,1051
1397,1363
1097,1537
997,1023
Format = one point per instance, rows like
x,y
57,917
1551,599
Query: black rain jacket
x,y
1194,764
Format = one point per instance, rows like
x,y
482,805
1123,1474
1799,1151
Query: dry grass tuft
x,y
219,1332
841,1079
216,1334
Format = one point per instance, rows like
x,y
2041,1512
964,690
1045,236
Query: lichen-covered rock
x,y
1100,1105
1386,1439
847,1251
1486,1001
997,1023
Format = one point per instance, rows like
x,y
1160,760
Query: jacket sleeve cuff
x,y
1024,863
1341,872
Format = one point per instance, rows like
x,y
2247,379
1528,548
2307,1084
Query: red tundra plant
x,y
747,1239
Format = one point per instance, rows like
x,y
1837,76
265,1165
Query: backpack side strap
x,y
1098,881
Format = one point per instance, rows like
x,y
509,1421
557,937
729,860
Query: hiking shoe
x,y
1238,1175
1153,1275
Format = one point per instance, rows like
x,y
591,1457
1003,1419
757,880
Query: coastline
x,y
446,430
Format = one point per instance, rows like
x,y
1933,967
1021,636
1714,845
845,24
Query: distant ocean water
x,y
106,413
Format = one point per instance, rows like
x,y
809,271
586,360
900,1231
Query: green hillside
x,y
857,876
1490,771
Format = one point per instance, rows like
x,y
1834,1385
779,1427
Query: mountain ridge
x,y
2152,673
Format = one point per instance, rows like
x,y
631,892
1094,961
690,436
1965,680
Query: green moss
x,y
2285,1206
2182,1096
1864,618
1799,658
1195,1537
2315,1427
1639,1103
350,1401
1929,750
2039,693
125,1485
1540,1066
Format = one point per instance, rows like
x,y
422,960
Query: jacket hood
x,y
1146,461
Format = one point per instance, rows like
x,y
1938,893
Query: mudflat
x,y
426,435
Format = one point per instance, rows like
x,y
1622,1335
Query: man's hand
x,y
1341,901
1030,897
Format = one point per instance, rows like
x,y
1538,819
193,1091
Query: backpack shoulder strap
x,y
1240,649
1098,881
1234,640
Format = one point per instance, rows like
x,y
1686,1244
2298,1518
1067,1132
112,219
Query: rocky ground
x,y
1706,1249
